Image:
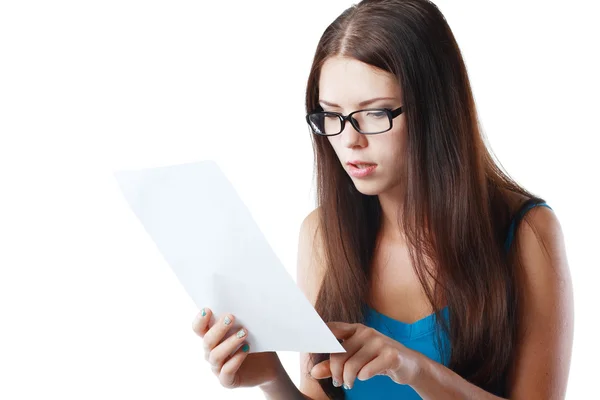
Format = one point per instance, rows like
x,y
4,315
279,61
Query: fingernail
x,y
245,348
203,312
227,320
336,383
241,333
346,387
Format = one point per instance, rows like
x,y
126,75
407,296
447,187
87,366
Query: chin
x,y
368,188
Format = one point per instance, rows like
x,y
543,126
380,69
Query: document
x,y
221,258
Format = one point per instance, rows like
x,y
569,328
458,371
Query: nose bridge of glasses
x,y
352,122
350,133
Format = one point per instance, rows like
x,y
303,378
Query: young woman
x,y
442,277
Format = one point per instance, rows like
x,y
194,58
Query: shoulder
x,y
545,328
310,261
543,268
310,224
541,241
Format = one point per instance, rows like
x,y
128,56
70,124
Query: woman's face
x,y
344,84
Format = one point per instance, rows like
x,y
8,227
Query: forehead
x,y
347,81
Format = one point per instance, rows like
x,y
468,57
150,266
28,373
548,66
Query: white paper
x,y
210,240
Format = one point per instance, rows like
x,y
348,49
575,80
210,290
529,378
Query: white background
x,y
88,307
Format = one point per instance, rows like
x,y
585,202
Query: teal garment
x,y
419,336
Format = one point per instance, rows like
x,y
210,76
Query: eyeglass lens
x,y
368,121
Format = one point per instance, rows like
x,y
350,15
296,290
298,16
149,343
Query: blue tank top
x,y
419,336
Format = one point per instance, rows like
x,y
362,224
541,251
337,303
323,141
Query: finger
x,y
374,367
216,332
389,362
354,364
218,355
334,366
338,361
324,368
342,330
200,325
229,376
321,370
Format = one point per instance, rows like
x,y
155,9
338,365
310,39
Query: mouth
x,y
361,165
361,170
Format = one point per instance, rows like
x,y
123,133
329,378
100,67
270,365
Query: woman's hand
x,y
368,353
228,354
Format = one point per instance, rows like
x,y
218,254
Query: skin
x,y
543,351
224,351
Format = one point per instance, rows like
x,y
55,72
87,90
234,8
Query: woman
x,y
442,277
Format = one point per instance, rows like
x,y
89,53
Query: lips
x,y
360,163
362,171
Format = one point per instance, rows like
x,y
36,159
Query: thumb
x,y
321,370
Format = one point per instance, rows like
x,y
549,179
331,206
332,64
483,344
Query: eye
x,y
376,114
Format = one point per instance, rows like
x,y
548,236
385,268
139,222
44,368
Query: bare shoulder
x,y
540,237
543,258
310,265
309,276
543,350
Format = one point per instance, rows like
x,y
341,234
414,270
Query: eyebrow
x,y
361,104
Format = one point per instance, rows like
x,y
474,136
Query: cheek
x,y
397,144
391,147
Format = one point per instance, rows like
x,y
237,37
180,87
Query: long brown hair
x,y
457,206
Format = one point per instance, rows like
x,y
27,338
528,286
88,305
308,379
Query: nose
x,y
350,137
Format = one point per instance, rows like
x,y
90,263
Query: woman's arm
x,y
543,350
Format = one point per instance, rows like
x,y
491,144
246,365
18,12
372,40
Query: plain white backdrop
x,y
88,307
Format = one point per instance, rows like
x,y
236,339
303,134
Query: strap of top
x,y
526,207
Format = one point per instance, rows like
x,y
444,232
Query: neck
x,y
391,203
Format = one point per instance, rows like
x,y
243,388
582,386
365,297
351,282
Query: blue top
x,y
419,336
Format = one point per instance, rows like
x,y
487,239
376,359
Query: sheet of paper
x,y
218,253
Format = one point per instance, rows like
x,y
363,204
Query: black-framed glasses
x,y
369,121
